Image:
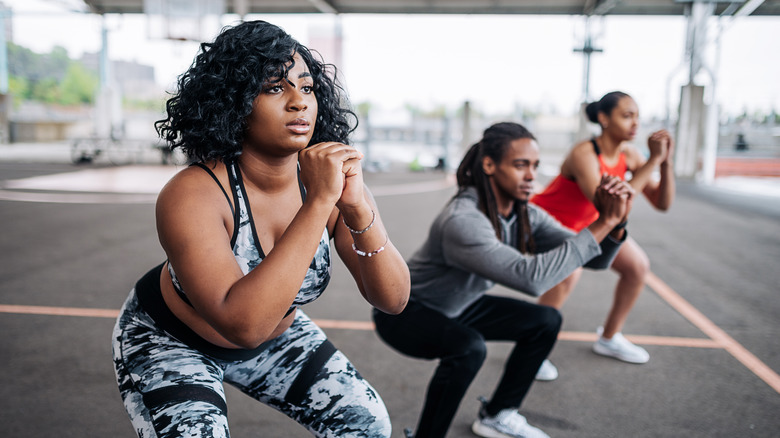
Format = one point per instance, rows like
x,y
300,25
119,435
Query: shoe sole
x,y
545,378
486,432
609,353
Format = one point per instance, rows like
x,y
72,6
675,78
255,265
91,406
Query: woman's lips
x,y
299,126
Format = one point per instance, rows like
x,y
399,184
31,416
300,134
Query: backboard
x,y
184,20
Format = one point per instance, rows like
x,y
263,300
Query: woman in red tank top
x,y
569,198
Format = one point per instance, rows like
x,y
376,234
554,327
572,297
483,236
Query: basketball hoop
x,y
183,20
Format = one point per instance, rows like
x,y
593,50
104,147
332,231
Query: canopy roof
x,y
567,7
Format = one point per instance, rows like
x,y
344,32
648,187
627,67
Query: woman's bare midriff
x,y
188,316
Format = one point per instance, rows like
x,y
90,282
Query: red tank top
x,y
564,200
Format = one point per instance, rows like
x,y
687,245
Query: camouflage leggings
x,y
172,390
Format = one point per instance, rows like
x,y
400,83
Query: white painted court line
x,y
140,185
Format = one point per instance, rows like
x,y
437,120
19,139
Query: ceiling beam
x,y
748,7
324,6
599,7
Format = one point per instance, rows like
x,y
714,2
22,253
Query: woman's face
x,y
513,178
623,122
284,113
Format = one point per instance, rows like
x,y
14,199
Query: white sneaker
x,y
506,424
547,371
620,348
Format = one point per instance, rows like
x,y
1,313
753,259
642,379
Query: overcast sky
x,y
496,62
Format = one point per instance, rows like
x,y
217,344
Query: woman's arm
x,y
661,193
362,242
244,309
383,277
642,169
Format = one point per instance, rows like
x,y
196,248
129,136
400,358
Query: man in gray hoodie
x,y
488,234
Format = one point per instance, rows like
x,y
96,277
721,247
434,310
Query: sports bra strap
x,y
595,146
204,167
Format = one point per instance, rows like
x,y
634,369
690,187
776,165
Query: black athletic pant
x,y
459,344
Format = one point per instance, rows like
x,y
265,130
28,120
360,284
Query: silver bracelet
x,y
373,218
372,253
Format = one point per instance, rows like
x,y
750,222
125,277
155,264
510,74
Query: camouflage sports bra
x,y
246,245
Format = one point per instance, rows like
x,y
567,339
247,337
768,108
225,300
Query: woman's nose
x,y
297,101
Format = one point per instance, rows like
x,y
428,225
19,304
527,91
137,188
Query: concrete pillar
x,y
696,137
465,140
690,131
108,102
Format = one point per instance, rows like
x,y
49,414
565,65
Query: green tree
x,y
19,88
45,90
78,86
49,78
35,67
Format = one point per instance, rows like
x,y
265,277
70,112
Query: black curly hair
x,y
207,115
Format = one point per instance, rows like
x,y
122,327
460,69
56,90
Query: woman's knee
x,y
639,267
358,412
357,421
633,262
176,417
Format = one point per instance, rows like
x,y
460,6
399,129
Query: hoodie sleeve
x,y
470,243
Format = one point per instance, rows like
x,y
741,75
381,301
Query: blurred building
x,y
135,81
37,122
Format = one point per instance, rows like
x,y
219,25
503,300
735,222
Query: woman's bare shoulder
x,y
192,183
581,154
583,149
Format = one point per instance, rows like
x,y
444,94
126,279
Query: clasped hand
x,y
661,145
613,200
332,170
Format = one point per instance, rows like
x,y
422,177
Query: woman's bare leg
x,y
632,264
558,295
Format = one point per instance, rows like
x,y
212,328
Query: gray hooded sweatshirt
x,y
462,258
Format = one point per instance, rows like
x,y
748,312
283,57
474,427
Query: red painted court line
x,y
709,328
59,311
667,341
346,325
717,337
111,313
357,325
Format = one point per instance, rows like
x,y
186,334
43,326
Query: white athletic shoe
x,y
620,348
547,371
506,424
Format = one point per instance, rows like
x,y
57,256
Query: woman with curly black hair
x,y
246,230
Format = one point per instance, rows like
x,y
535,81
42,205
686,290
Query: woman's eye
x,y
273,89
307,89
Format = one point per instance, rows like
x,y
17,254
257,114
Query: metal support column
x,y
5,13
587,50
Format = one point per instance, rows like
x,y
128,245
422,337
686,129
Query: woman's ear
x,y
488,166
603,119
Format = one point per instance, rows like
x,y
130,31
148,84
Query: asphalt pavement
x,y
71,251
